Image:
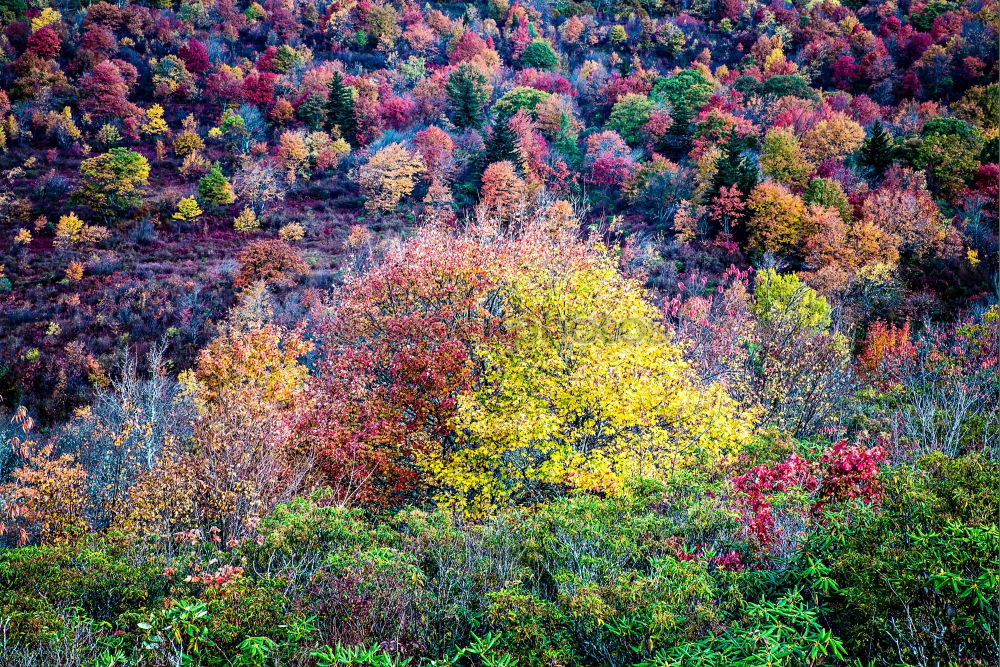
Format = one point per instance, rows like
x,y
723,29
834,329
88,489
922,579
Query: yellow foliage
x,y
47,495
155,124
389,176
291,232
187,209
246,222
251,356
71,230
46,17
591,392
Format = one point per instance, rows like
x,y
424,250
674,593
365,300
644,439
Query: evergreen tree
x,y
565,142
682,116
878,151
214,187
340,109
735,168
312,111
502,145
467,91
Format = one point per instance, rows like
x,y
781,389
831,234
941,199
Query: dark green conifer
x,y
878,151
340,109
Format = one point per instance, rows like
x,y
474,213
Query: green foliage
x,y
786,297
628,115
735,167
949,150
468,92
302,526
879,151
917,578
686,92
214,188
520,98
924,19
605,586
340,109
99,583
113,182
502,145
539,54
782,158
313,112
789,85
782,633
826,192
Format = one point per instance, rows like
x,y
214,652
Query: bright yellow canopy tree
x,y
587,392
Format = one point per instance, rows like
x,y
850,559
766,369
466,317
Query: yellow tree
x,y
588,392
778,220
389,176
833,138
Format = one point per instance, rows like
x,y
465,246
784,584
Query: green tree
x,y
468,92
781,157
312,111
878,152
949,150
340,109
788,298
502,145
686,92
789,85
628,115
825,192
113,182
735,167
521,98
214,188
540,55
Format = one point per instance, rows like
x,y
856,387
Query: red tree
x,y
195,56
44,43
104,91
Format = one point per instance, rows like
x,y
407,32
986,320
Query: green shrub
x,y
917,579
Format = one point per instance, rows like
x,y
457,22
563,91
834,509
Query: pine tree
x,y
502,145
340,109
468,92
878,151
214,188
735,169
312,111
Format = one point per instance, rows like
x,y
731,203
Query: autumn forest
x,y
534,333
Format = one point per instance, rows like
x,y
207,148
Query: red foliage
x,y
397,353
885,352
195,56
850,472
610,171
105,91
756,490
44,43
550,82
258,88
844,473
467,47
397,111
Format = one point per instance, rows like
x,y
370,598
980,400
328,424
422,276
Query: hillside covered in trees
x,y
535,333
